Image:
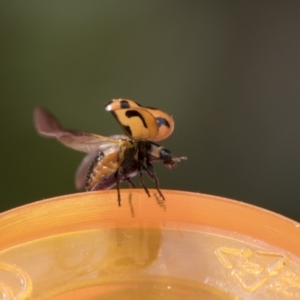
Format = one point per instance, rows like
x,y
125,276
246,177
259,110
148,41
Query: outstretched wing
x,y
137,123
48,125
154,124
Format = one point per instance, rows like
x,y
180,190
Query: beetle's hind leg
x,y
130,183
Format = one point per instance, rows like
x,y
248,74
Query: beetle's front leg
x,y
150,171
141,180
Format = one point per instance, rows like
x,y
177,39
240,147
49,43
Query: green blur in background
x,y
228,71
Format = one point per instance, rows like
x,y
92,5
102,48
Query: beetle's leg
x,y
150,171
130,183
142,182
118,186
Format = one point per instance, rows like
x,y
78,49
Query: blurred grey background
x,y
228,71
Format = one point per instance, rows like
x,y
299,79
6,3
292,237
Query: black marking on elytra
x,y
124,104
92,167
127,130
162,121
134,113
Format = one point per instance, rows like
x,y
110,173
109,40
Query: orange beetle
x,y
111,160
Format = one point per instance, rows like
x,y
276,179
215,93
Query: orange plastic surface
x,y
83,246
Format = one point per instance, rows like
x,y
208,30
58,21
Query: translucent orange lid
x,y
191,246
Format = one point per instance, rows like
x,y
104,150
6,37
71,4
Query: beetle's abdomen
x,y
101,174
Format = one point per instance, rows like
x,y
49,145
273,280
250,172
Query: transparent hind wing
x,y
48,125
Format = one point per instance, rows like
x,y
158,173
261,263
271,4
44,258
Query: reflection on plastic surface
x,y
166,264
15,283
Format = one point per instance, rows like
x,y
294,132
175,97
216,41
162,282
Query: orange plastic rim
x,y
100,209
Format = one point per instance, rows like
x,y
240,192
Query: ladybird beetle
x,y
111,160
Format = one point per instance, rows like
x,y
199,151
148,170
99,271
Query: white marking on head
x,y
108,107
